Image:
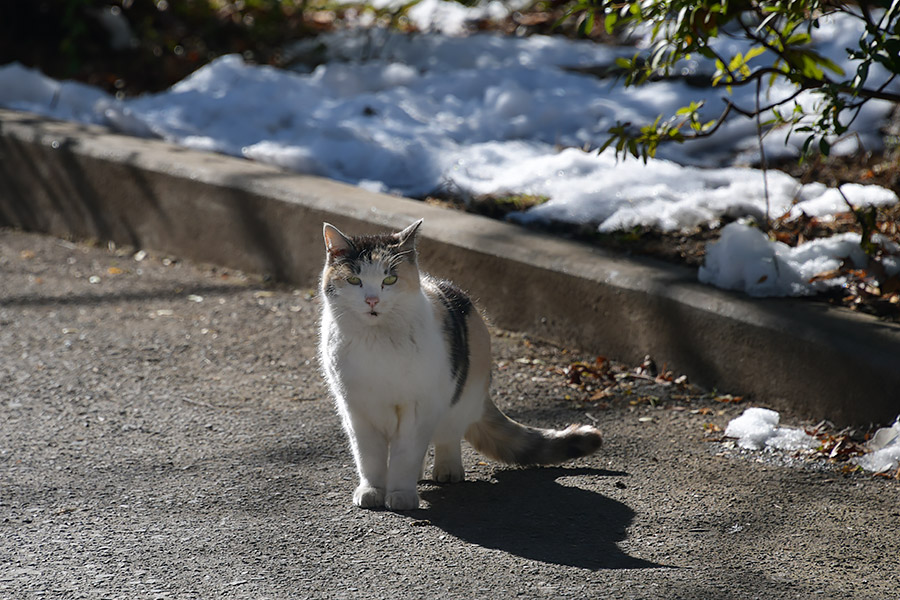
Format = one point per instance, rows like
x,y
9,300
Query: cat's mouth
x,y
374,313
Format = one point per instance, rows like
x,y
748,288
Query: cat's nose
x,y
372,301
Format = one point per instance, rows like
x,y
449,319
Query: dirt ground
x,y
165,433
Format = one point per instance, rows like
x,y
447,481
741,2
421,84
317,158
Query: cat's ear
x,y
336,243
407,238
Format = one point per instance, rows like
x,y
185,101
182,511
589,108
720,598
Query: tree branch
x,y
729,106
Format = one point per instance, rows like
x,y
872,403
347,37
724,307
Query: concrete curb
x,y
74,180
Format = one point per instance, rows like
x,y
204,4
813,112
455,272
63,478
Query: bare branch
x,y
762,153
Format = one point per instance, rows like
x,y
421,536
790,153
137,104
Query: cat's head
x,y
367,277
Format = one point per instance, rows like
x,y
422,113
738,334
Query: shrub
x,y
779,47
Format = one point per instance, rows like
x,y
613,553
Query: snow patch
x,y
745,259
758,428
885,450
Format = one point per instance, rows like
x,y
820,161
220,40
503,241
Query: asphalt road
x,y
164,433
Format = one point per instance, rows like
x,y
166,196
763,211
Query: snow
x,y
757,428
884,450
487,114
745,259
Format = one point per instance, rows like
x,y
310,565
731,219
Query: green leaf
x,y
607,143
827,63
892,46
765,22
789,28
798,39
586,25
693,107
753,53
805,150
736,62
801,61
862,73
609,23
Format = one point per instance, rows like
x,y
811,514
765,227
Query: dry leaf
x,y
826,275
601,394
729,399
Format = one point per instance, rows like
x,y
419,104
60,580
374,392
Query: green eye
x,y
389,280
354,280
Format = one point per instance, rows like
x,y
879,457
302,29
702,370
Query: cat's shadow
x,y
529,513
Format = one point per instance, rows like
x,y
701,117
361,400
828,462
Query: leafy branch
x,y
779,46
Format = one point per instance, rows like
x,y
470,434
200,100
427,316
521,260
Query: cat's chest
x,y
391,352
395,363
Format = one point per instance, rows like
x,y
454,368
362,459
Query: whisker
x,y
399,257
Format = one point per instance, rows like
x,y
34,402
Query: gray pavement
x,y
164,433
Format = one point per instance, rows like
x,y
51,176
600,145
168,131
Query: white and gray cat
x,y
408,359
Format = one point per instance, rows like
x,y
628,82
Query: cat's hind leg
x,y
448,467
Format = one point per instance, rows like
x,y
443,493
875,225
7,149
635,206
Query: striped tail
x,y
502,439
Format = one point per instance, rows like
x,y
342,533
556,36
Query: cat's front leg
x,y
404,469
370,451
366,496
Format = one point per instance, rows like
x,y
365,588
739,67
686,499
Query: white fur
x,y
388,363
391,377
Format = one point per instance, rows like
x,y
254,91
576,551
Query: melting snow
x,y
885,450
758,428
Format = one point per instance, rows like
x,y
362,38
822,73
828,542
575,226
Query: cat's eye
x,y
354,280
389,280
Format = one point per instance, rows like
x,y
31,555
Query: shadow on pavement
x,y
530,514
160,293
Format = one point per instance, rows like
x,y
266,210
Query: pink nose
x,y
372,301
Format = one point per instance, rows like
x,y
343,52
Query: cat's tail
x,y
502,439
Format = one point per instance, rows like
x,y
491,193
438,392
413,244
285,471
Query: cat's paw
x,y
448,473
367,496
402,500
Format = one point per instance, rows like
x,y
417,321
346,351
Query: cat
x,y
407,358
